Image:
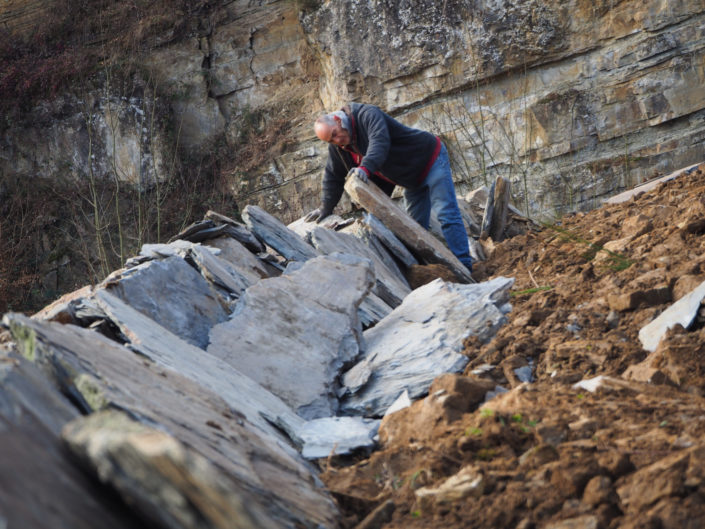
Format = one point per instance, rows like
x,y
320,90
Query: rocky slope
x,y
622,448
171,381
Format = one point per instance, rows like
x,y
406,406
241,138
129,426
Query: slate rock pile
x,y
199,380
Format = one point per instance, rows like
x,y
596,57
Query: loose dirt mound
x,y
550,454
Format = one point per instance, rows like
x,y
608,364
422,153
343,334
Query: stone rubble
x,y
209,376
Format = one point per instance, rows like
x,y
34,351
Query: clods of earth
x,y
593,432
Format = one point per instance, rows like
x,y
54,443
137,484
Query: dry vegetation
x,y
93,226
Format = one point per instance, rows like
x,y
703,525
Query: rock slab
x,y
682,312
100,373
427,247
421,339
292,334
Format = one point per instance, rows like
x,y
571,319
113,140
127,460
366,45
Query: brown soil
x,y
548,454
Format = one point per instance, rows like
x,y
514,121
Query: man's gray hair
x,y
329,119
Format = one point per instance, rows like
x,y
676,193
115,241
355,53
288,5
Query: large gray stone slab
x,y
103,374
220,272
41,486
391,286
167,482
172,293
423,244
363,232
292,334
240,257
338,436
421,339
371,310
682,312
390,241
244,395
275,234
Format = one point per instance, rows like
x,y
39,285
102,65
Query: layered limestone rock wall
x,y
572,101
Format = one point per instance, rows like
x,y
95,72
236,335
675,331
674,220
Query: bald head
x,y
329,128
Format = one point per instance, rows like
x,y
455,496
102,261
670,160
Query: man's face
x,y
336,135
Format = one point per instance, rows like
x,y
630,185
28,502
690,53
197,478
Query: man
x,y
368,143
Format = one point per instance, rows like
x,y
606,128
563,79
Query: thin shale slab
x,y
276,235
421,339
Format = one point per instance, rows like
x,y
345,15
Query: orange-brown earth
x,y
549,454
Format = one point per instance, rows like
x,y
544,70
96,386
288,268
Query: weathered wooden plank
x,y
500,209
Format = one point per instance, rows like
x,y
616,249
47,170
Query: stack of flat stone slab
x,y
210,368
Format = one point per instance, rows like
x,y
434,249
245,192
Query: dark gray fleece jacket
x,y
384,148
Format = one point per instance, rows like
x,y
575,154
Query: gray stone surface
x,y
41,486
220,272
177,248
304,322
237,231
423,244
102,374
420,339
243,394
337,435
363,231
168,483
172,293
275,234
681,312
391,286
240,257
372,309
390,241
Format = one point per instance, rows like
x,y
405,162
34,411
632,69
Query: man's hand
x,y
318,214
360,173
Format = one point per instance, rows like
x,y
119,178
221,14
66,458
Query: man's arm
x,y
373,121
333,178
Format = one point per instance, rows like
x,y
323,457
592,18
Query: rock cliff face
x,y
572,101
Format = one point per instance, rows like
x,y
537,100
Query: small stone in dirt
x,y
538,456
636,226
467,482
585,427
552,435
612,319
615,464
645,372
464,393
682,312
599,490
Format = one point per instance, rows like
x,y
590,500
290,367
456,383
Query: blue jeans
x,y
438,192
